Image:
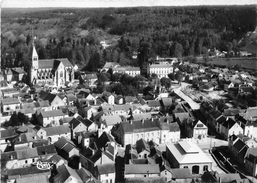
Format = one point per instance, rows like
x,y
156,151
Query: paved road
x,y
192,103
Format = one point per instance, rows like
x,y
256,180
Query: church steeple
x,y
34,57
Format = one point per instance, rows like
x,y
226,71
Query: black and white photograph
x,y
127,91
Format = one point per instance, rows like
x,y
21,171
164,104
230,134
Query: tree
x,y
178,50
116,77
171,76
179,76
18,119
166,82
28,39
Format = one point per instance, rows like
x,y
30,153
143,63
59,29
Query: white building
x,y
188,155
131,71
161,70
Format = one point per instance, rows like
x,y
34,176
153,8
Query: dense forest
x,y
143,31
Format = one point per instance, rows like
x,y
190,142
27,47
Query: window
x,y
26,161
7,108
111,181
185,167
17,107
106,181
205,167
106,175
61,74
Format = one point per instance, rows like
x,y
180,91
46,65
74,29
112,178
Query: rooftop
x,y
188,152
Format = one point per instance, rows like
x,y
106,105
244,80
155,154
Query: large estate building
x,y
50,71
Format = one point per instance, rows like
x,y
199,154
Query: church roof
x,y
49,63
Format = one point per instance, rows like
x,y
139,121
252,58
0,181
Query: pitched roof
x,y
27,153
153,103
166,101
5,134
6,156
142,145
64,172
57,130
60,143
35,178
141,169
227,178
229,123
53,113
215,114
182,152
10,100
48,149
106,168
239,144
111,120
26,171
140,126
181,173
51,63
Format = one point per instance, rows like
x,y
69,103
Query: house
x,y
130,132
119,100
108,97
200,130
85,139
185,154
141,170
52,134
106,172
23,158
181,174
91,79
50,118
154,105
25,140
86,176
15,74
107,123
9,92
27,172
166,103
67,175
143,149
54,100
89,111
6,137
66,149
58,160
71,99
79,124
227,178
9,105
238,147
251,164
170,131
230,127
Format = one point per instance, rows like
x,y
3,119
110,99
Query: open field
x,y
244,62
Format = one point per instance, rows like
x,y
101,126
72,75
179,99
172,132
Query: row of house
x,y
244,150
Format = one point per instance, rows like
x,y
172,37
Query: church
x,y
54,72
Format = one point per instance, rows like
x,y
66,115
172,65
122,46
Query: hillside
x,y
164,31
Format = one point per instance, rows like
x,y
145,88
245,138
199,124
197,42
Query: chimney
x,y
152,119
143,121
